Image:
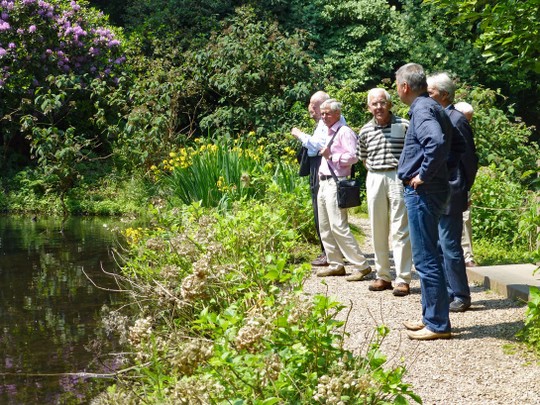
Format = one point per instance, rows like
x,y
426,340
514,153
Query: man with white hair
x,y
339,154
463,165
380,143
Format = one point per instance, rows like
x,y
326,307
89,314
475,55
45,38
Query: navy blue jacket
x,y
463,162
427,145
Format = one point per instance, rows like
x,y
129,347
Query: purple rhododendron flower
x,y
8,5
55,38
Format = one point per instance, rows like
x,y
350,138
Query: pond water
x,y
50,311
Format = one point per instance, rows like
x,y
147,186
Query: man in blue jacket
x,y
462,174
423,169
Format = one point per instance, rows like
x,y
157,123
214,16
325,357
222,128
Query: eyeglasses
x,y
327,113
379,104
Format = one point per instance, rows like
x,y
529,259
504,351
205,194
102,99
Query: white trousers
x,y
388,220
336,235
466,237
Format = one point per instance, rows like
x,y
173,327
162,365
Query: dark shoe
x,y
339,271
414,325
380,285
401,290
358,275
320,261
459,306
426,334
472,263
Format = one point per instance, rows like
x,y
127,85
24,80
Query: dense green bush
x,y
224,319
60,60
530,333
55,56
114,194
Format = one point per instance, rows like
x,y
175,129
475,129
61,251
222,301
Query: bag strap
x,y
329,165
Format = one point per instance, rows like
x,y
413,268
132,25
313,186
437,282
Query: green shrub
x,y
498,205
530,333
223,318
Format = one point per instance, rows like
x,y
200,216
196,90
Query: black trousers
x,y
314,163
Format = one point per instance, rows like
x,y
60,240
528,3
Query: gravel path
x,y
480,365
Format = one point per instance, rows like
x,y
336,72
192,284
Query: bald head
x,y
466,109
315,102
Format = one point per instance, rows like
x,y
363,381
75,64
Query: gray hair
x,y
333,104
413,74
372,92
464,107
443,82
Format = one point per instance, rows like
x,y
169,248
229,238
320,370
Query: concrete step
x,y
509,280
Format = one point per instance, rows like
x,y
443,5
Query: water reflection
x,y
49,310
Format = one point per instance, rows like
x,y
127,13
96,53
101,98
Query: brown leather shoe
x,y
414,325
380,285
401,290
338,271
320,261
426,334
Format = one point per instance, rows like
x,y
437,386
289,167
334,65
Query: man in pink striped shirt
x,y
339,152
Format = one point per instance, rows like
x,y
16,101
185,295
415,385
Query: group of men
x,y
419,173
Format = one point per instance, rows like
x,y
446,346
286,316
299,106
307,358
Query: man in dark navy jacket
x,y
423,169
462,174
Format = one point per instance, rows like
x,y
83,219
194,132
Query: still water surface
x,y
50,311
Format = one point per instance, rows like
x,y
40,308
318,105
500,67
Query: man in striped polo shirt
x,y
380,143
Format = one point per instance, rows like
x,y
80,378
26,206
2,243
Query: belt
x,y
406,182
324,178
390,169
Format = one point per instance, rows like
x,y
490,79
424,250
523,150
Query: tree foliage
x,y
507,30
239,82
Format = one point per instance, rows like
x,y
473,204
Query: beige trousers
x,y
389,221
466,237
337,238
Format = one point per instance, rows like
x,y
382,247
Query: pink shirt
x,y
343,151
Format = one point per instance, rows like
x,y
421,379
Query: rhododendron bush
x,y
59,62
39,38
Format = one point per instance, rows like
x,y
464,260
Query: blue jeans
x,y
424,211
450,229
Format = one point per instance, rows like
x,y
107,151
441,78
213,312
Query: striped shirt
x,y
380,147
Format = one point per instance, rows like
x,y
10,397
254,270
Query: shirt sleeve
x,y
434,141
